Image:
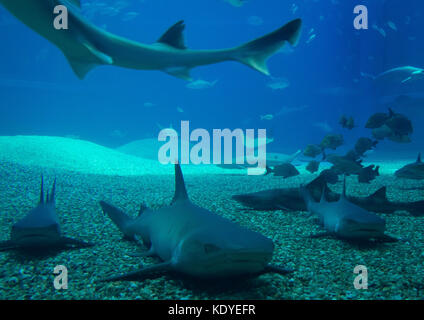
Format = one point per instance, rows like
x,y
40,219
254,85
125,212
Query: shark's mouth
x,y
362,231
229,263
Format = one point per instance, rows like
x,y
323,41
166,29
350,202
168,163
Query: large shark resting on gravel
x,y
193,241
87,46
40,229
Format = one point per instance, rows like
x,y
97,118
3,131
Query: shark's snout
x,y
372,227
209,257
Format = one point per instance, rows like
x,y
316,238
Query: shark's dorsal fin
x,y
180,189
42,190
51,198
174,36
419,158
380,194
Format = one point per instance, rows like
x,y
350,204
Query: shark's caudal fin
x,y
180,189
120,218
255,53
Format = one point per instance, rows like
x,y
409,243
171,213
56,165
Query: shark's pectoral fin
x,y
95,57
179,72
75,243
387,238
277,269
320,235
8,245
142,274
81,68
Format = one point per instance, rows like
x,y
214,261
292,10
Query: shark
x,y
40,229
273,159
345,219
86,46
193,241
412,171
290,199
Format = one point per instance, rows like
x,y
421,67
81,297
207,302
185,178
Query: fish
x,y
313,166
272,159
382,132
267,117
40,230
392,25
275,159
377,120
193,241
148,104
89,46
394,126
332,141
397,75
412,171
346,164
285,170
399,124
201,84
347,123
363,145
279,84
345,219
368,174
312,150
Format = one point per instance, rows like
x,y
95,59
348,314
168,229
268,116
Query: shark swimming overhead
x,y
193,241
87,46
40,229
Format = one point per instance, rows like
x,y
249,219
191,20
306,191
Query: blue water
x,y
330,73
41,96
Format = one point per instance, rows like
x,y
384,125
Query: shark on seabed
x,y
193,241
87,46
345,219
39,231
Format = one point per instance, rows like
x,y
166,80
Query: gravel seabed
x,y
323,267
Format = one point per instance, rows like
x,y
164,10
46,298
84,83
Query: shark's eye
x,y
210,248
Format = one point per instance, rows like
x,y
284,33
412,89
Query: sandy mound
x,y
144,148
86,157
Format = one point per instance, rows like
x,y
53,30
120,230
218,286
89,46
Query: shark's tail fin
x,y
120,218
255,53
